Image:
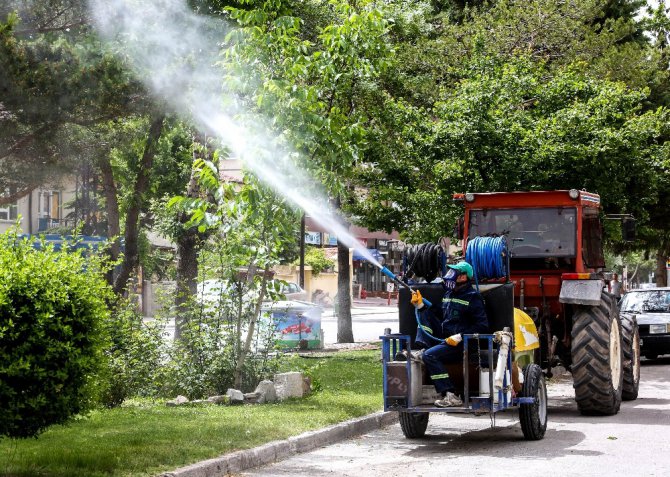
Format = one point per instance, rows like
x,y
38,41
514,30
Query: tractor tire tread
x,y
631,357
591,369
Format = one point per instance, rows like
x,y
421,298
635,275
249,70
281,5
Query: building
x,y
44,208
384,247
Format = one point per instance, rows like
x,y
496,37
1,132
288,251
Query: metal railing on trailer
x,y
394,343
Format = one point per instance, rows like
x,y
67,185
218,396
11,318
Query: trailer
x,y
498,372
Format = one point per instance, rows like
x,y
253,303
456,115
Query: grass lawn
x,y
145,438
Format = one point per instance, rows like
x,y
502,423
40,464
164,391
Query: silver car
x,y
651,306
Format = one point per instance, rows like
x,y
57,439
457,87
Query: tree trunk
x,y
661,273
188,242
187,277
345,333
131,254
112,211
239,367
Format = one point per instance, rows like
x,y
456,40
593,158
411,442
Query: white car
x,y
211,291
293,291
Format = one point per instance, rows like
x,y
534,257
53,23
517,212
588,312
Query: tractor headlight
x,y
574,194
470,197
656,329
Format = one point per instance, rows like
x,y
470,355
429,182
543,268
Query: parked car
x,y
211,291
293,291
652,309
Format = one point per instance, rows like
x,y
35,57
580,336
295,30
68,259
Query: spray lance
x,y
397,280
393,277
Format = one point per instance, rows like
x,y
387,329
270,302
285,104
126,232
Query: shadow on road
x,y
506,440
503,442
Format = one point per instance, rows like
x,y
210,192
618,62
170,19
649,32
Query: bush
x,y
136,355
52,306
316,258
203,362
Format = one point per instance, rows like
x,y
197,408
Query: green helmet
x,y
463,267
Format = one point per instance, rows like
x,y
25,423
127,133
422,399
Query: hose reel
x,y
489,257
426,260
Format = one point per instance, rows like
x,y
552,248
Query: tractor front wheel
x,y
414,424
630,335
597,357
534,416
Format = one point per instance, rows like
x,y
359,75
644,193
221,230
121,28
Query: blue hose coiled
x,y
488,257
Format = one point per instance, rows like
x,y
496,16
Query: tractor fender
x,y
581,292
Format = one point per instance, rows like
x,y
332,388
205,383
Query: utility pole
x,y
302,251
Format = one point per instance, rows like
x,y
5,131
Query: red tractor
x,y
556,263
550,268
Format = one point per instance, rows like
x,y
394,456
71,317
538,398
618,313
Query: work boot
x,y
417,356
450,400
400,356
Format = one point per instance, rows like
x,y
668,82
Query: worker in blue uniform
x,y
462,313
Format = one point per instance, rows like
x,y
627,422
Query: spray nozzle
x,y
393,277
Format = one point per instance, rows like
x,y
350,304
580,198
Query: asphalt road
x,y
635,442
368,321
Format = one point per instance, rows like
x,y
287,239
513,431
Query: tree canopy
x,y
392,106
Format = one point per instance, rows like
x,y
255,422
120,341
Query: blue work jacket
x,y
462,312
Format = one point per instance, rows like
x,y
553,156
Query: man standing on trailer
x,y
462,313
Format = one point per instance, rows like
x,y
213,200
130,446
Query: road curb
x,y
278,450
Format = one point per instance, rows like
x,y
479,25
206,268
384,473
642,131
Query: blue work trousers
x,y
435,358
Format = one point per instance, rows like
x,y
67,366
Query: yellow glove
x,y
417,299
453,340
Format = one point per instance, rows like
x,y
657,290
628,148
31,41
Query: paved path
x,y
635,442
369,318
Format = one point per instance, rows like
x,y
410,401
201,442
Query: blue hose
x,y
488,257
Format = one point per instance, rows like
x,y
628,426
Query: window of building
x,y
50,204
9,211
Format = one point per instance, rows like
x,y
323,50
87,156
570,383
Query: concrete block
x,y
289,385
236,396
267,391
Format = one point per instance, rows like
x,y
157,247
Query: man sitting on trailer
x,y
462,313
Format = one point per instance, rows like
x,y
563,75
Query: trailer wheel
x,y
534,416
597,357
630,335
414,424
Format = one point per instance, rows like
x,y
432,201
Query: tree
x,y
516,125
317,92
66,100
54,78
252,226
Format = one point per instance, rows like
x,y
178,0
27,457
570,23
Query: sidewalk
x,y
369,318
374,301
359,305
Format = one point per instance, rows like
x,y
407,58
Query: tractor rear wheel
x,y
630,335
414,424
597,357
534,416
